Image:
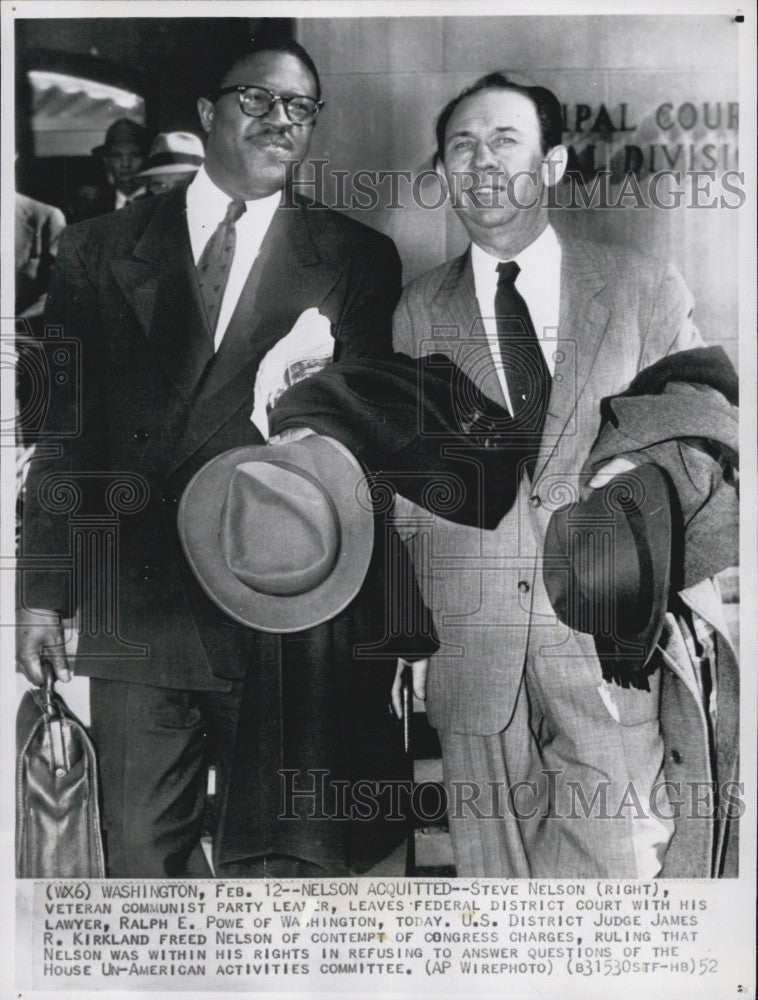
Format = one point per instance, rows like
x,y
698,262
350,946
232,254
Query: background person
x,y
123,155
174,157
38,228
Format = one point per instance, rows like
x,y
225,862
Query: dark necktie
x,y
524,366
216,261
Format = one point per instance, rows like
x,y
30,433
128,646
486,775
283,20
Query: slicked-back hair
x,y
546,104
253,48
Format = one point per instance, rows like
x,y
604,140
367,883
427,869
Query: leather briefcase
x,y
57,813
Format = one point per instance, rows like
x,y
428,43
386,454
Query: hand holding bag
x,y
57,813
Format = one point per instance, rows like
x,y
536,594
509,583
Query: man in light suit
x,y
168,371
38,229
530,731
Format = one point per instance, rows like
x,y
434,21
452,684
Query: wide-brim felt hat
x,y
607,566
279,537
174,153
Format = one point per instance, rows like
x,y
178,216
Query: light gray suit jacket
x,y
38,227
619,312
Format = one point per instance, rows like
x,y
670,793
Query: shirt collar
x,y
531,257
126,199
544,248
209,203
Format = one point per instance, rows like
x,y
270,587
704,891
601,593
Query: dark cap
x,y
124,130
607,566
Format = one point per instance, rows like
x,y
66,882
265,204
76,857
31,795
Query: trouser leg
x,y
493,803
151,752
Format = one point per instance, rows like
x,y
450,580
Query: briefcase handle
x,y
49,687
406,697
54,720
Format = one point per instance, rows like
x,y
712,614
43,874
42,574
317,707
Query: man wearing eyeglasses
x,y
178,302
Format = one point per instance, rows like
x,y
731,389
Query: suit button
x,y
676,757
535,500
147,572
523,586
140,435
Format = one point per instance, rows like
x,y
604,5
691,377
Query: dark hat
x,y
607,566
278,536
174,153
124,130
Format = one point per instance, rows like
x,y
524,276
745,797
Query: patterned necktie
x,y
216,261
526,373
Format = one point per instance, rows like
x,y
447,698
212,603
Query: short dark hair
x,y
546,104
253,48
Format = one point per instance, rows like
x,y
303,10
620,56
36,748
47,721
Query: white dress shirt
x,y
206,208
538,283
126,199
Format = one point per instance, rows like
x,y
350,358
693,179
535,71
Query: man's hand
x,y
419,683
39,636
613,468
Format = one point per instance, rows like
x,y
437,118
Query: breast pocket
x,y
632,706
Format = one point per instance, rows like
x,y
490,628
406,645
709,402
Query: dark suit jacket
x,y
681,414
150,404
420,427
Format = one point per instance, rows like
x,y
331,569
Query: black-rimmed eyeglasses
x,y
258,101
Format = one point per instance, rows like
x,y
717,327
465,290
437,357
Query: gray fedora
x,y
279,537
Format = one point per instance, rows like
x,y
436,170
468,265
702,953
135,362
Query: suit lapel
x,y
584,315
159,282
458,331
287,277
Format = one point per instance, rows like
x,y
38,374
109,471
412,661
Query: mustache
x,y
272,135
272,128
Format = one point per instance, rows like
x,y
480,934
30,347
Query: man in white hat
x,y
174,157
